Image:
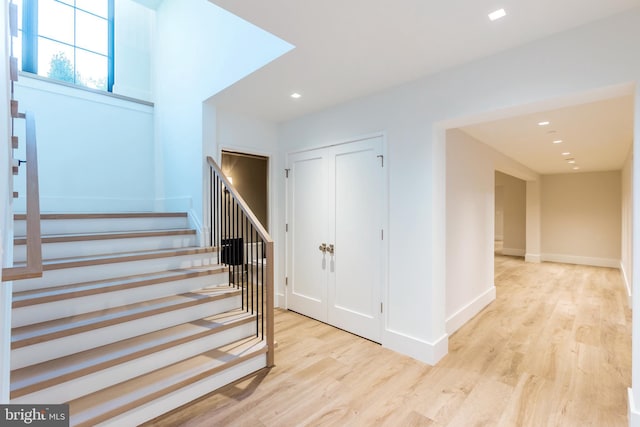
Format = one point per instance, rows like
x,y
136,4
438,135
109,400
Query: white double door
x,y
335,205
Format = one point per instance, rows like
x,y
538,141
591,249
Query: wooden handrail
x,y
243,205
33,267
268,254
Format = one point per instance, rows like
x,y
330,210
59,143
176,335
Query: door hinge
x,y
286,228
380,308
381,157
286,281
381,234
286,173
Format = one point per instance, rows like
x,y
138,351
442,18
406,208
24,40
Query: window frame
x,y
30,37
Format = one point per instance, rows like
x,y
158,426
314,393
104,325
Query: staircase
x,y
130,319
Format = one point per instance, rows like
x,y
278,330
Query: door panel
x,y
354,286
307,229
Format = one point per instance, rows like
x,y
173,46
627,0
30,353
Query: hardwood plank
x,y
76,216
553,349
108,236
57,264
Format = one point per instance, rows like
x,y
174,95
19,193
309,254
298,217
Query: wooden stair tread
x,y
36,377
58,293
53,329
104,404
83,237
61,263
106,215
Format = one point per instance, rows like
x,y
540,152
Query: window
x,y
68,40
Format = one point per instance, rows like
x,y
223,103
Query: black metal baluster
x,y
211,205
254,302
250,258
245,284
225,241
262,259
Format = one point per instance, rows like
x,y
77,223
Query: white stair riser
x,y
65,346
186,394
82,386
111,271
107,246
38,313
103,225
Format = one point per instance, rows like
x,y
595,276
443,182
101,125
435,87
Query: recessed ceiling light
x,y
544,123
575,168
566,153
557,141
571,161
296,95
495,15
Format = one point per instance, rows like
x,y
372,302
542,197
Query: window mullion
x,y
30,36
110,52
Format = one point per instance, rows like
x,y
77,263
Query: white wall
x,y
6,237
581,218
134,29
202,49
470,232
414,117
514,221
626,250
95,152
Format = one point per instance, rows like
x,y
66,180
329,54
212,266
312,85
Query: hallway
x,y
553,349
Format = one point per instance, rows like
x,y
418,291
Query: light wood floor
x,y
554,349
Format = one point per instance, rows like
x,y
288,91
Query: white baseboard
x,y
466,313
627,284
634,415
513,252
280,300
535,258
424,351
581,260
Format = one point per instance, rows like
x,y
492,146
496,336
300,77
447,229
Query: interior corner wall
x,y
514,216
202,49
581,218
602,54
626,250
470,228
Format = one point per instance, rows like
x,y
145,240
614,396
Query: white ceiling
x,y
597,134
349,48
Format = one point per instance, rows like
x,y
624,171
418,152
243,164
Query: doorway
x,y
335,205
249,174
510,215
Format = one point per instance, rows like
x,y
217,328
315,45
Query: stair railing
x,y
246,249
33,266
